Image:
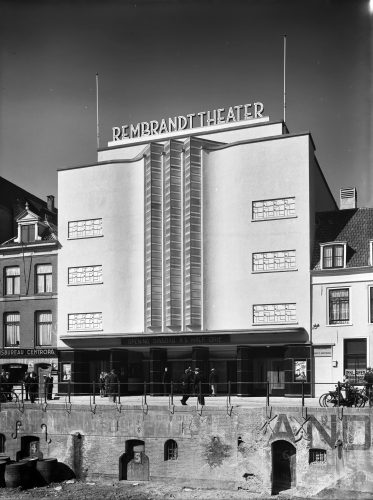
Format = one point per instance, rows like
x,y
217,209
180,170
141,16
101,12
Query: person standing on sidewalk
x,y
186,385
113,385
213,382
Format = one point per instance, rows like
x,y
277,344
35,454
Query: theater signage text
x,y
192,120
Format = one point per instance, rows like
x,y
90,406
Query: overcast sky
x,y
161,58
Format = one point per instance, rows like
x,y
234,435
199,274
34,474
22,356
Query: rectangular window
x,y
12,281
44,278
28,233
12,329
43,327
317,456
273,209
339,306
85,275
89,228
333,256
355,358
274,313
85,321
274,261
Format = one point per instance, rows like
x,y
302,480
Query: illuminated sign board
x,y
219,116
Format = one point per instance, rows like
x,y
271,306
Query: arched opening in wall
x,y
2,443
30,447
134,464
283,466
170,450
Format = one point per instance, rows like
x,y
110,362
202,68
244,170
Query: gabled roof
x,y
354,226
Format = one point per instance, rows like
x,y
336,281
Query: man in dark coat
x,y
186,385
198,385
113,385
213,382
33,387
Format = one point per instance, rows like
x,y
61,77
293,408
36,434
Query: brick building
x,y
28,291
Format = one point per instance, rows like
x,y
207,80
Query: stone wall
x,y
223,447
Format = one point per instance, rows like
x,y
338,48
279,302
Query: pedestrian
x,y
2,386
186,385
368,378
113,385
27,385
8,387
198,386
49,390
107,376
166,381
213,382
33,387
101,382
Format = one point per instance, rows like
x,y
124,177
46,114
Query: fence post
x,y
22,391
172,393
200,391
302,392
267,395
229,391
119,391
69,390
339,392
94,391
144,392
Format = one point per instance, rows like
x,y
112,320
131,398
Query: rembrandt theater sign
x,y
219,116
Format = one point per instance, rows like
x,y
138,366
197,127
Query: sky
x,y
161,58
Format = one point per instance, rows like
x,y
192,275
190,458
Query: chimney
x,y
50,203
347,198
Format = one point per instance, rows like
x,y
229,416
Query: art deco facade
x,y
193,249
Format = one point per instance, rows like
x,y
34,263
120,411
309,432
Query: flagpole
x,y
97,122
284,78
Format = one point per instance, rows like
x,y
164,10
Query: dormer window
x,y
333,255
28,233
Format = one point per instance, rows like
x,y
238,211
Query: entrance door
x,y
283,466
134,464
276,377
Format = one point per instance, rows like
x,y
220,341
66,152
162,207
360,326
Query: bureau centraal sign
x,y
27,353
219,116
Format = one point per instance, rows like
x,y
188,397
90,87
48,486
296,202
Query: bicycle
x,y
354,397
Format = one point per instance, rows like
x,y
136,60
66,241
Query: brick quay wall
x,y
226,447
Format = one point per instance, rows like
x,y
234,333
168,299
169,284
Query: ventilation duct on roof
x,y
347,198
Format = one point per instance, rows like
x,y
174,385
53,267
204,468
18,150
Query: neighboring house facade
x,y
342,289
28,292
191,249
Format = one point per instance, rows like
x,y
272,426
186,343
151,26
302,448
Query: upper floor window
x,y
274,313
273,209
12,281
85,321
11,329
170,450
43,278
274,261
333,255
89,228
85,275
43,325
27,233
339,306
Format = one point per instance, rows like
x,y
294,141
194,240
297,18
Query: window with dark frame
x,y
12,280
2,443
355,354
339,306
43,278
170,450
333,256
317,455
43,326
11,329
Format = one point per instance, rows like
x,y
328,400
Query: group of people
x,y
193,384
108,382
368,378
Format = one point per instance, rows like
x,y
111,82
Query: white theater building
x,y
188,243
